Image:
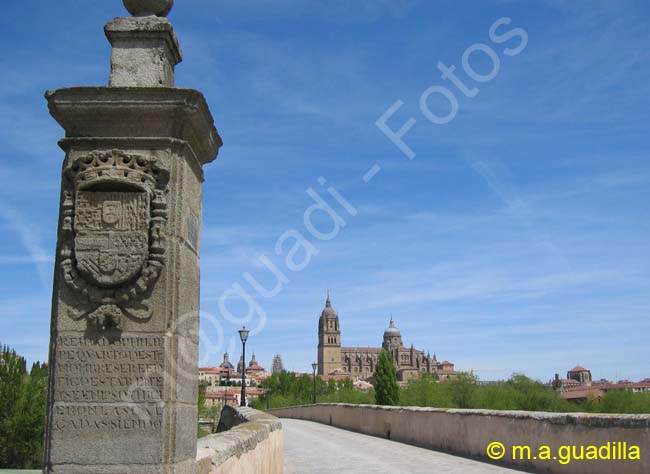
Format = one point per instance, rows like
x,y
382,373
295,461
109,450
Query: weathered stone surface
x,y
161,120
109,369
249,441
124,346
145,52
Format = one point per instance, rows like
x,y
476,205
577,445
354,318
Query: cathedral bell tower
x,y
329,340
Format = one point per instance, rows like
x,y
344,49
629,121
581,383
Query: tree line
x,y
288,389
23,407
464,391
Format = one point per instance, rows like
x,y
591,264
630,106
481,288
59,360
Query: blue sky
x,y
516,240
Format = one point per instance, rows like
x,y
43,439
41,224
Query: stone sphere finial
x,y
148,7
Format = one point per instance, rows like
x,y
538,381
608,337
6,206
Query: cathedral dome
x,y
226,362
392,330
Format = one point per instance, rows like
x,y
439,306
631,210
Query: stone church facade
x,y
359,363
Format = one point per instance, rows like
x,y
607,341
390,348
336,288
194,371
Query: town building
x,y
225,374
579,386
359,363
580,375
220,396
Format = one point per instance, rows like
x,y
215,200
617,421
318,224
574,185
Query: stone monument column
x,y
124,337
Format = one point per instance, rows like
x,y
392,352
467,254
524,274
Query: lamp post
x,y
225,402
243,335
314,366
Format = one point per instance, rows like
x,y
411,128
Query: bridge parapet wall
x,y
248,442
469,432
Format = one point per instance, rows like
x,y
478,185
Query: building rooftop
x,y
392,330
361,349
578,368
582,393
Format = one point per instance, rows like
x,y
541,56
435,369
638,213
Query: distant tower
x,y
226,364
277,365
329,340
580,374
241,364
393,341
392,337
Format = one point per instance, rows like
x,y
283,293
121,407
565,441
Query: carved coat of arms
x,y
114,218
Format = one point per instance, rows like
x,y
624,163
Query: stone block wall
x,y
249,442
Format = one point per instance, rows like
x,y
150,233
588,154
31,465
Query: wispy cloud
x,y
38,255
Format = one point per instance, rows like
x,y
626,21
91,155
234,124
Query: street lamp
x,y
243,335
225,402
314,366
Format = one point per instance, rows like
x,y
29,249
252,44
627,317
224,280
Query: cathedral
x,y
359,362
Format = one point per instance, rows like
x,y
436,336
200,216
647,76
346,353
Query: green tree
x,y
386,388
288,389
426,391
463,389
27,424
623,401
23,405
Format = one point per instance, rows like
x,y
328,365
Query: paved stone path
x,y
313,448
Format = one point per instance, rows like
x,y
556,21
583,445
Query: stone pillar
x,y
124,337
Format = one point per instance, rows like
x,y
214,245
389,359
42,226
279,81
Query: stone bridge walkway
x,y
313,448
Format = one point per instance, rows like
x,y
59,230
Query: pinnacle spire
x,y
328,303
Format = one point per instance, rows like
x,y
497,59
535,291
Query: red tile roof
x,y
233,391
610,386
578,368
337,377
582,394
361,349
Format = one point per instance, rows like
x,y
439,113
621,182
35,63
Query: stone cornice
x,y
137,112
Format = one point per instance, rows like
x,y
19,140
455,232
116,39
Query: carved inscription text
x,y
128,369
107,418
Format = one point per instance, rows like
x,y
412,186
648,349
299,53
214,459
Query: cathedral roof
x,y
578,368
226,362
361,349
392,330
328,310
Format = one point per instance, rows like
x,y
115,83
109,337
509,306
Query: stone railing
x,y
248,442
469,432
